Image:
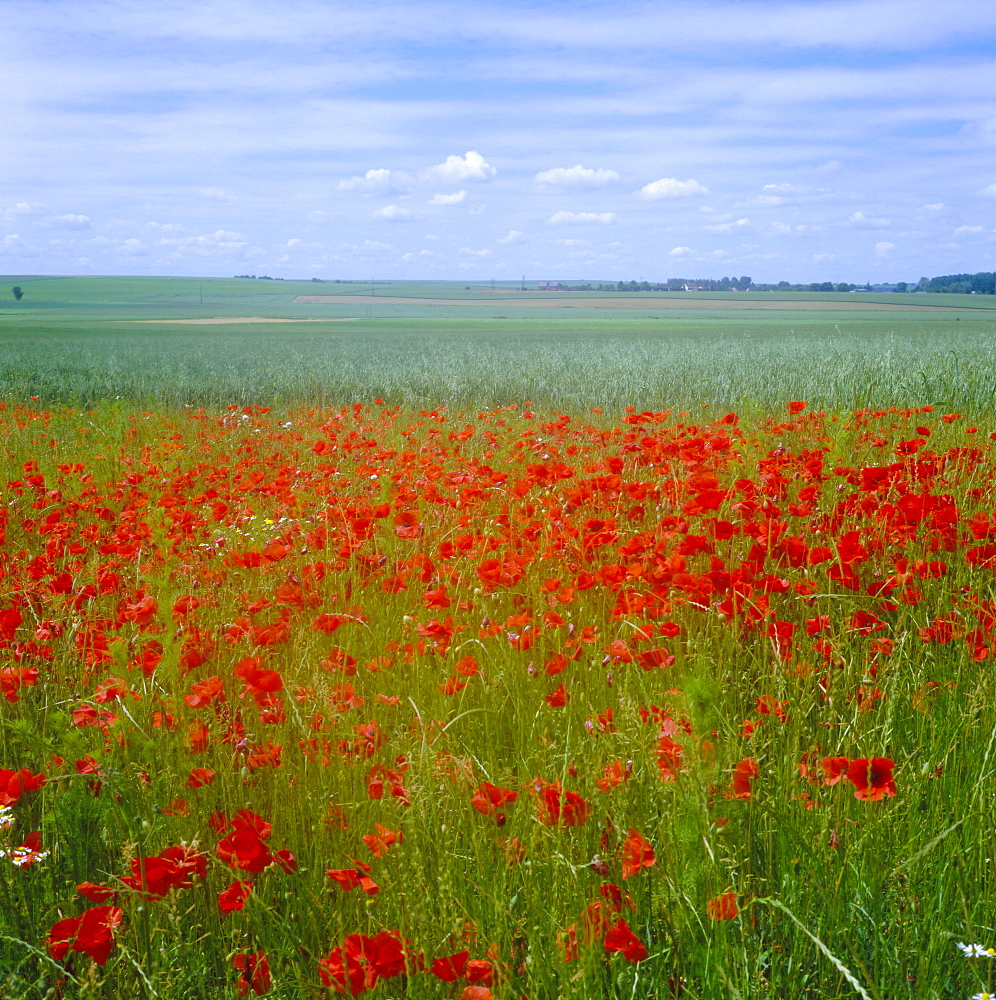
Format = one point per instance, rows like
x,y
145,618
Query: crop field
x,y
477,659
78,341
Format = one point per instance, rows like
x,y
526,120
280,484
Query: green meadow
x,y
334,666
80,340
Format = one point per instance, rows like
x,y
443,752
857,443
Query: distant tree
x,y
901,286
18,292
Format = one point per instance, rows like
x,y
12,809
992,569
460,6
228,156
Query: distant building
x,y
550,286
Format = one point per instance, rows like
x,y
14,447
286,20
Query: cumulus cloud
x,y
514,236
862,221
966,230
448,199
220,241
883,249
575,176
472,167
133,248
681,252
562,218
670,187
728,227
990,191
391,212
66,222
378,179
935,207
468,252
13,242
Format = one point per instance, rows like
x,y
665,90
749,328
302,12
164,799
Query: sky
x,y
823,140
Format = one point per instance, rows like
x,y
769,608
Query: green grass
x,y
72,341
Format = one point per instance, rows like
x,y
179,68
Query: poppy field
x,y
509,703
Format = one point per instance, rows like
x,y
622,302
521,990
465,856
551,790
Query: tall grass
x,y
838,897
472,365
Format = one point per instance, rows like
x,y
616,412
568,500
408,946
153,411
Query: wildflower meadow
x,y
313,701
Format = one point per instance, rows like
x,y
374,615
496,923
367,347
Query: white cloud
x,y
448,199
681,252
431,236
66,222
727,227
472,167
27,208
391,212
935,207
990,191
133,248
883,249
577,175
514,236
862,221
378,179
14,242
560,218
965,230
219,241
216,194
670,187
467,252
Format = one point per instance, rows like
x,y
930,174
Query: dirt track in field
x,y
230,320
730,302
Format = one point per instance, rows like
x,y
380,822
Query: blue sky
x,y
808,141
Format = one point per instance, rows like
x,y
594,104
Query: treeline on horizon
x,y
982,283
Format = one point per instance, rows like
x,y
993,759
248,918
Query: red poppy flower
x,y
723,907
91,934
619,938
637,854
254,972
743,778
872,779
614,774
451,968
14,783
834,769
557,807
382,840
488,800
362,961
558,698
234,897
353,878
95,893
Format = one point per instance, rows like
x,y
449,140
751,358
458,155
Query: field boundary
x,y
735,305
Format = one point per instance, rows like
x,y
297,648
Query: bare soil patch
x,y
230,320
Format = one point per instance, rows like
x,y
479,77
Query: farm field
x,y
81,340
473,658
